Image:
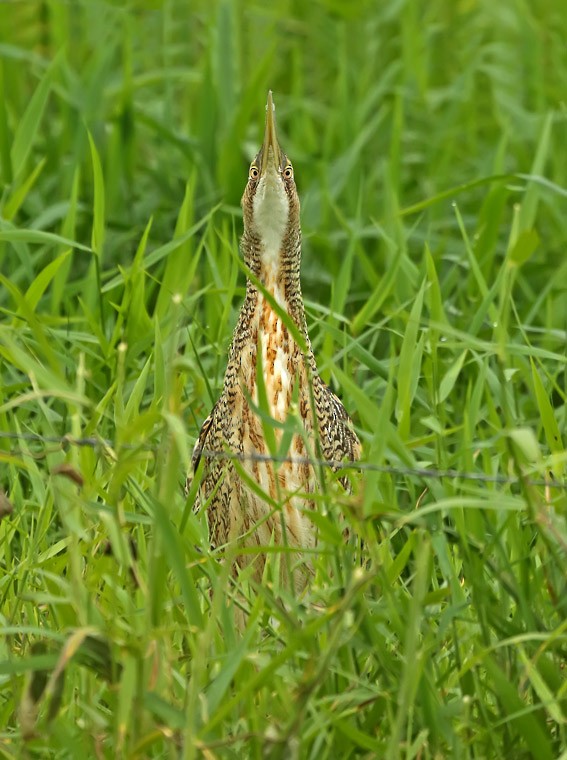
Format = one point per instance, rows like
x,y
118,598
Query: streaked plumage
x,y
271,247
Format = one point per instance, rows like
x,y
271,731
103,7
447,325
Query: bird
x,y
251,499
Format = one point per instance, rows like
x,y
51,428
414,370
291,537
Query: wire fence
x,y
64,442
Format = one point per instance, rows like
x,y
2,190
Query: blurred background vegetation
x,y
428,146
380,105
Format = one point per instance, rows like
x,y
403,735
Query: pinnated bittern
x,y
271,247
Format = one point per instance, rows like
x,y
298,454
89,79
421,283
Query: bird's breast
x,y
273,354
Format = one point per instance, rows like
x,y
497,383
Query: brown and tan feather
x,y
288,372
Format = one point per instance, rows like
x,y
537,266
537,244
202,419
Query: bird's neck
x,y
276,262
275,273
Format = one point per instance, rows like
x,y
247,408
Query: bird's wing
x,y
201,440
199,446
339,442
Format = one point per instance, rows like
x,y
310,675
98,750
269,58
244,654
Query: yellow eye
x,y
254,172
288,171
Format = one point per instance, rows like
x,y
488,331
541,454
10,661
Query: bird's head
x,y
270,202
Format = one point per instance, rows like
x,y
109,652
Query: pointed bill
x,y
271,151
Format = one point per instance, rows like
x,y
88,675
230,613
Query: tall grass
x,y
428,145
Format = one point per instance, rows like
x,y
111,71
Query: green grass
x,y
428,140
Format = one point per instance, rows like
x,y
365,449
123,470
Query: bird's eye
x,y
288,171
254,172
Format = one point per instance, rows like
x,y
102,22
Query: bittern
x,y
264,352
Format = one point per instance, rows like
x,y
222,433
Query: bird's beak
x,y
270,147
